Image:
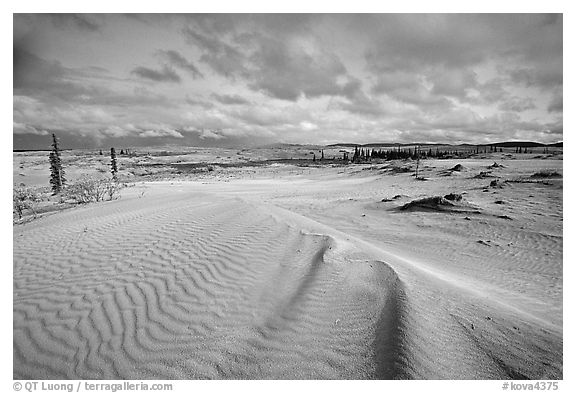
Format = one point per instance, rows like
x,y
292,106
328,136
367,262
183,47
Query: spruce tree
x,y
356,154
113,165
57,179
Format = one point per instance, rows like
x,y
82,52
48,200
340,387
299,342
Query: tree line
x,y
361,154
366,154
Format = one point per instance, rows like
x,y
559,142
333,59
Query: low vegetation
x,y
28,201
92,189
546,174
25,200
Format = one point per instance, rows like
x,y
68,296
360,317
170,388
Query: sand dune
x,y
296,277
193,286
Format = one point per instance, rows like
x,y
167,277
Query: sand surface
x,y
298,273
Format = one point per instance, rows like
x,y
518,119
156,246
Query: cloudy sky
x,y
233,80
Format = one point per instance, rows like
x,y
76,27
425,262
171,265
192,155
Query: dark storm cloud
x,y
177,60
38,77
20,128
166,74
55,84
30,71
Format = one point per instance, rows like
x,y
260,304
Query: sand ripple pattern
x,y
194,286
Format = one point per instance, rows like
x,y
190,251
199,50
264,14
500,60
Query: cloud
x,y
205,133
177,60
197,102
19,128
80,21
228,78
159,133
414,89
230,99
360,104
166,74
83,23
308,126
289,70
557,102
267,115
76,118
148,130
34,73
544,78
517,104
223,58
454,83
417,41
491,91
55,84
117,131
283,69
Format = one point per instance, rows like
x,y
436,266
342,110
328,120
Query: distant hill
x,y
496,144
525,144
384,144
25,150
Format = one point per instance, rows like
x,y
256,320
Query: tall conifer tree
x,y
57,179
113,164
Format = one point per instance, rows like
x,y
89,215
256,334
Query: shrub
x,y
546,174
453,197
91,189
24,199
